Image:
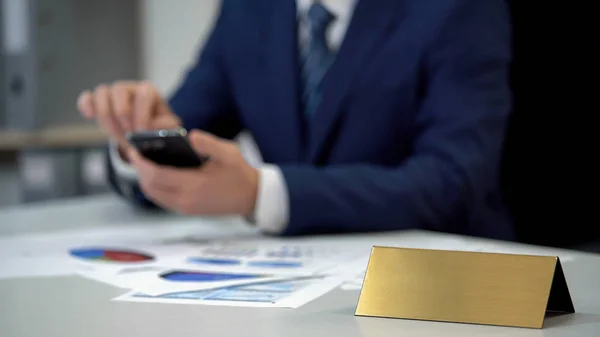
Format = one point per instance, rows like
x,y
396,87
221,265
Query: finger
x,y
165,121
85,104
121,97
173,201
208,145
104,115
163,198
163,177
146,99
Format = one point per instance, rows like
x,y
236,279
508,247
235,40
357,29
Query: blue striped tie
x,y
317,57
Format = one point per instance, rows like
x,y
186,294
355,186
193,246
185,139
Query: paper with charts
x,y
232,274
184,264
194,263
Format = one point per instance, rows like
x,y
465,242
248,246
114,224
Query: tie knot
x,y
319,18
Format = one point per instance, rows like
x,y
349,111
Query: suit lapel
x,y
366,31
283,76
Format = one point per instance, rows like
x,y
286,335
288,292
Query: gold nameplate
x,y
463,287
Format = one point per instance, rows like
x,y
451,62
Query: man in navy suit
x,y
370,115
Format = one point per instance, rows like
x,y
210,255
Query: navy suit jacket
x,y
410,128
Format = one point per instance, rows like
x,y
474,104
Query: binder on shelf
x,y
18,65
52,50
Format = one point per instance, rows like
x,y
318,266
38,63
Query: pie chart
x,y
110,255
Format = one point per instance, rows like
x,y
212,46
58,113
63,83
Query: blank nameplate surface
x,y
463,287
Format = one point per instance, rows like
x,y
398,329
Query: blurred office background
x,y
54,49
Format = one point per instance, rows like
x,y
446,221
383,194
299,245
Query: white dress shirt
x,y
272,205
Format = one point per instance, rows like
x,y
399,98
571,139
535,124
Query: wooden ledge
x,y
53,137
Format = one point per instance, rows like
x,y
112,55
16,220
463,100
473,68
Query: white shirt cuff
x,y
272,206
125,174
122,169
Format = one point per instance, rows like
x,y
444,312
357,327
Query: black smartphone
x,y
168,147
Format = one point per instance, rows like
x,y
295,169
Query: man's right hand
x,y
127,106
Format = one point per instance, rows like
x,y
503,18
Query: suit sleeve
x,y
202,101
461,126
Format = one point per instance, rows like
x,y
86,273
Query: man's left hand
x,y
225,185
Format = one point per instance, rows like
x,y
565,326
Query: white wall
x,y
172,33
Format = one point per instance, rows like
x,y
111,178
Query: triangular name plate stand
x,y
463,287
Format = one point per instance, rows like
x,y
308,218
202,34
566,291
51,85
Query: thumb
x,y
208,145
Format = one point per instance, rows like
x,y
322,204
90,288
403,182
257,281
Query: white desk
x,y
74,307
